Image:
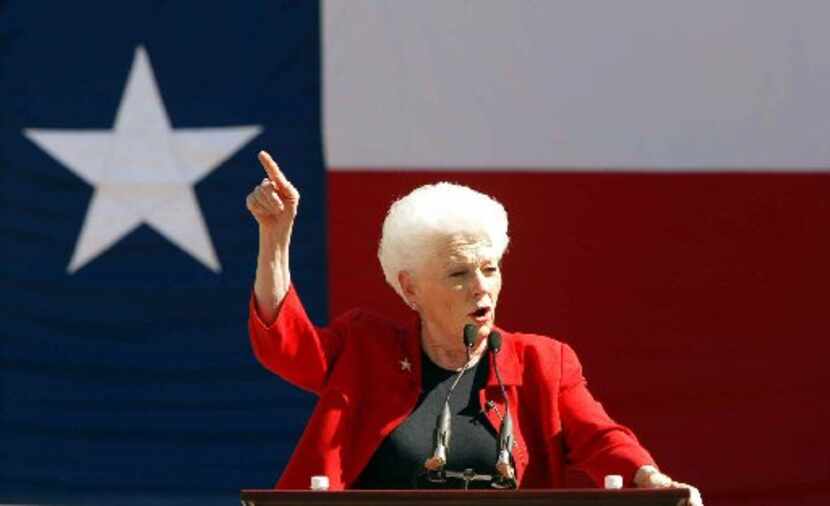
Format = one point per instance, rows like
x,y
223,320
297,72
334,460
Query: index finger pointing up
x,y
272,169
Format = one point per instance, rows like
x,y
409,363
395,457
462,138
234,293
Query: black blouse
x,y
399,461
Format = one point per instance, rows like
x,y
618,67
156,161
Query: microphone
x,y
470,334
443,430
506,477
494,341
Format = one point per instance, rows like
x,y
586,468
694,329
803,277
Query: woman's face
x,y
458,285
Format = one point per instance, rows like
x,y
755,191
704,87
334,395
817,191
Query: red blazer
x,y
358,368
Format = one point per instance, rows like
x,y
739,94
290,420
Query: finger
x,y
254,206
259,204
269,165
276,175
695,498
267,186
659,480
273,201
269,200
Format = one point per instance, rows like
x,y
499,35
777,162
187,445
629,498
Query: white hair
x,y
415,224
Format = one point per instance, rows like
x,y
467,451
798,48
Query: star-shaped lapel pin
x,y
406,365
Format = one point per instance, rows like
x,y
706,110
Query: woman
x,y
383,386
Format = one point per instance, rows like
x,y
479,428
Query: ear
x,y
408,286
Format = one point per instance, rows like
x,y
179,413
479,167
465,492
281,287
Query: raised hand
x,y
274,205
273,202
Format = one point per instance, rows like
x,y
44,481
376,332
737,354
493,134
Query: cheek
x,y
453,302
496,288
444,300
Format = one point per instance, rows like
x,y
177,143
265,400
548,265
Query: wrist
x,y
273,244
272,233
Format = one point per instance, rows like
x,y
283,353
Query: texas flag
x,y
664,166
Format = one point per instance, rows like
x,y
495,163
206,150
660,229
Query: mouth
x,y
482,314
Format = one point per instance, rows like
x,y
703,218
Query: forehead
x,y
465,249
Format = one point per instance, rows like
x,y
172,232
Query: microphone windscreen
x,y
470,333
494,341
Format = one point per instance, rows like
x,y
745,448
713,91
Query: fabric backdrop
x,y
665,167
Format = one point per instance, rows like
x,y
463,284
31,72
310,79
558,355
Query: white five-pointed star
x,y
143,171
405,364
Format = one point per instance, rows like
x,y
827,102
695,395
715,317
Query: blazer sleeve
x,y
292,347
596,443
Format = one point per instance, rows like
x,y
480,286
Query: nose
x,y
479,284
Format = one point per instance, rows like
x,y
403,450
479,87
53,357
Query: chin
x,y
484,329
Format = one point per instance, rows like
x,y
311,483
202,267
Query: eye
x,y
457,274
491,270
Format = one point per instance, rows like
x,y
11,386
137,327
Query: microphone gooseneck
x,y
443,424
470,333
506,477
494,345
440,441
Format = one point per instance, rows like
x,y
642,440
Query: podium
x,y
557,497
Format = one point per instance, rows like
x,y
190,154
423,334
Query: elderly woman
x,y
519,408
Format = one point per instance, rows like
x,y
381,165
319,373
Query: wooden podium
x,y
558,497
